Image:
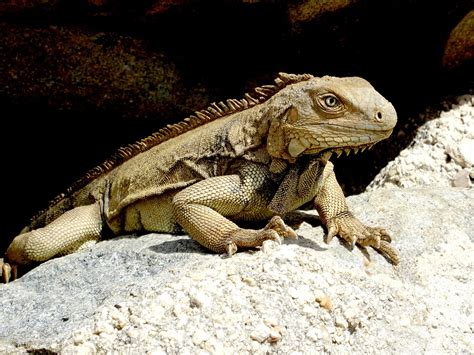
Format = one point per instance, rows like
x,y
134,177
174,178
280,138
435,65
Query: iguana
x,y
256,158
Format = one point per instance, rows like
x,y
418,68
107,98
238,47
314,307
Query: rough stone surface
x,y
164,294
309,10
74,68
17,6
442,153
459,49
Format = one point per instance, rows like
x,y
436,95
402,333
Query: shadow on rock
x,y
305,243
182,245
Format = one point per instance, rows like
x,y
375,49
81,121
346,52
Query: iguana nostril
x,y
378,116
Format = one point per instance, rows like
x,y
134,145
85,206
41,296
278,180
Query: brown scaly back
x,y
214,111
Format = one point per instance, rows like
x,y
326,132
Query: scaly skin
x,y
253,159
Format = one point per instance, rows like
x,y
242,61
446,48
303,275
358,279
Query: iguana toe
x,y
384,235
8,272
389,252
277,224
368,237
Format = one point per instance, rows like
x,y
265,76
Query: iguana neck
x,y
261,133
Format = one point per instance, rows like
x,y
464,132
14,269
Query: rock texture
x,y
72,68
18,6
442,153
164,294
309,10
459,49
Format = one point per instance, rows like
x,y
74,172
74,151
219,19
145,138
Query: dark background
x,y
78,79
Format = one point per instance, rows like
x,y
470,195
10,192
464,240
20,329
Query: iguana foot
x,y
275,230
353,231
7,272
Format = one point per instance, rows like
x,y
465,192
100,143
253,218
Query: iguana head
x,y
329,114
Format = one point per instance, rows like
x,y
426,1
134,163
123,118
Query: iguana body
x,y
251,159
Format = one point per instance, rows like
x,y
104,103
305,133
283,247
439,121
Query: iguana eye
x,y
331,101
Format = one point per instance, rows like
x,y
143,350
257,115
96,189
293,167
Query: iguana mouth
x,y
327,153
309,143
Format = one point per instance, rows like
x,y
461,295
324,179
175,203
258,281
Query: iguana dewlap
x,y
257,158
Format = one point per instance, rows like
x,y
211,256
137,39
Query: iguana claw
x,y
231,248
8,272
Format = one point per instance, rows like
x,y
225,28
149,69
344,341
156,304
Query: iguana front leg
x,y
334,213
201,209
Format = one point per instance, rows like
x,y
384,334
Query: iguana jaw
x,y
327,153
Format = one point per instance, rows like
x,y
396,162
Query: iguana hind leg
x,y
201,209
64,235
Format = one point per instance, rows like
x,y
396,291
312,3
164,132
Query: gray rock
x,y
168,295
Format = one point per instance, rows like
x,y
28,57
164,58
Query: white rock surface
x,y
161,294
442,153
